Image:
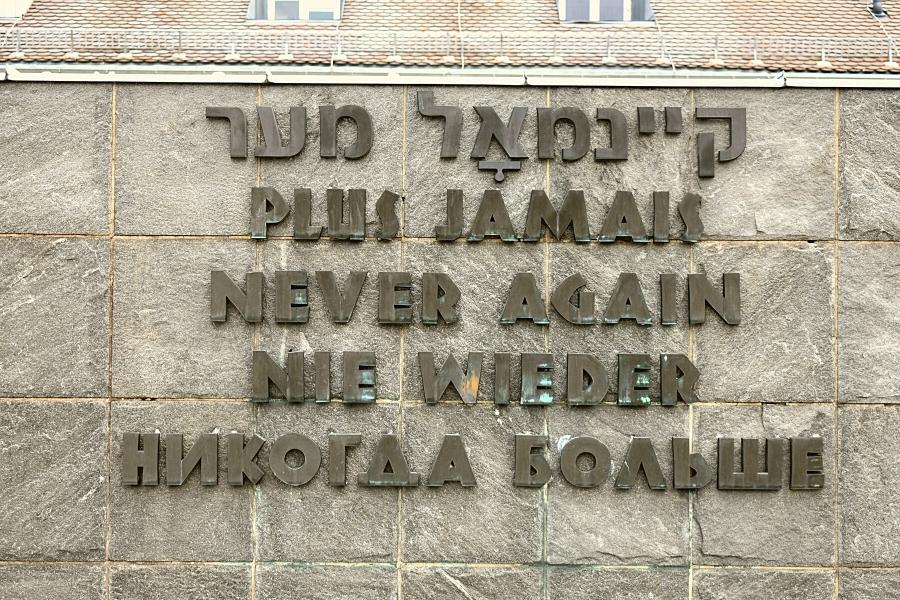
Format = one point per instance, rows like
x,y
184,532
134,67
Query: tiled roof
x,y
805,35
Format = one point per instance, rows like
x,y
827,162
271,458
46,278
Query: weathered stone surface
x,y
185,582
189,522
493,522
790,155
755,584
483,272
53,314
784,527
870,186
164,343
869,491
381,169
51,582
284,582
318,522
174,172
869,323
621,584
784,344
428,177
53,476
637,526
57,159
362,333
869,584
429,583
658,162
600,265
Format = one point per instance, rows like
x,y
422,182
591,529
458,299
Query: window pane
x,y
259,9
641,10
287,10
578,10
612,10
321,15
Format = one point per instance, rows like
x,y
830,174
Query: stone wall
x,y
118,200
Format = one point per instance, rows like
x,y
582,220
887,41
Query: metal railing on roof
x,y
318,44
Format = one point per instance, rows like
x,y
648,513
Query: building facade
x,y
488,300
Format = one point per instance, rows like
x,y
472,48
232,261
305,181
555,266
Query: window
x,y
287,10
294,10
578,11
604,11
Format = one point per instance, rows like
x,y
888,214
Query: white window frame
x,y
303,10
594,14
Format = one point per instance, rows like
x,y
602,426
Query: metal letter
x,y
272,145
454,227
807,466
580,312
452,116
623,220
291,297
340,306
640,455
302,474
537,378
506,134
359,377
618,135
498,167
689,209
394,299
451,464
531,469
691,470
751,478
238,123
240,459
547,119
322,363
328,123
661,217
572,214
224,290
673,119
337,456
140,466
204,452
627,302
266,371
502,372
267,207
634,380
439,298
466,384
587,381
388,467
737,127
524,301
355,228
702,293
303,227
668,308
677,378
646,119
706,165
387,214
568,462
492,219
